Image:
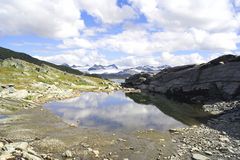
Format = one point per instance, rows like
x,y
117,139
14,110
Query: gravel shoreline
x,y
218,139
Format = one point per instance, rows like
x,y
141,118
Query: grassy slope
x,y
7,53
24,74
41,81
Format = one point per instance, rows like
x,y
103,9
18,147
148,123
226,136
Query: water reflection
x,y
188,114
113,111
119,81
3,116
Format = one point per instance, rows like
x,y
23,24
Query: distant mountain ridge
x,y
7,53
101,67
113,71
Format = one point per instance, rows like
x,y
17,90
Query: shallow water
x,y
112,111
3,116
119,81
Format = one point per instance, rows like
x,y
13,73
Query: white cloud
x,y
90,57
76,42
166,58
52,18
237,3
209,15
76,57
107,11
183,59
141,42
171,26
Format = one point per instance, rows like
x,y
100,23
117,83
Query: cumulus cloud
x,y
185,25
57,18
107,11
76,43
237,3
76,57
209,15
90,57
52,18
141,42
166,58
170,26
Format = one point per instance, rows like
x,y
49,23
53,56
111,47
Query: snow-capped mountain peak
x,y
98,69
114,70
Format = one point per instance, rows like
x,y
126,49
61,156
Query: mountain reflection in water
x,y
116,111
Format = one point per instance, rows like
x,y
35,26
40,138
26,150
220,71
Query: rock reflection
x,y
113,111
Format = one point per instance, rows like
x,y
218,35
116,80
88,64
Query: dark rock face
x,y
218,79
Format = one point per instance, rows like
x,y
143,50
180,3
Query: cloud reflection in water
x,y
111,111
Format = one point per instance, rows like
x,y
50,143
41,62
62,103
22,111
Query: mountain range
x,y
113,71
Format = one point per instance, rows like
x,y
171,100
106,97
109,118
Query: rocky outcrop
x,y
218,79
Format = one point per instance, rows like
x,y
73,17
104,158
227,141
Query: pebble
x,y
224,139
121,140
208,153
197,156
72,125
85,145
1,145
173,131
95,152
194,149
174,141
68,154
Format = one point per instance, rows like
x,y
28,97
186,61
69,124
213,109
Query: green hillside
x,y
25,77
7,53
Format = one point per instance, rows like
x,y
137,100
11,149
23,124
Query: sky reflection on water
x,y
111,111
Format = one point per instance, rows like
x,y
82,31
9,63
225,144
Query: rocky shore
x,y
218,138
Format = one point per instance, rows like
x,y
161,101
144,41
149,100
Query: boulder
x,y
218,79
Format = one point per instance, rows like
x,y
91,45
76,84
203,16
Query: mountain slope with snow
x,y
113,71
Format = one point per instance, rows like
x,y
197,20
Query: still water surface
x,y
117,111
3,116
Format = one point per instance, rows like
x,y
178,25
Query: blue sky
x,y
124,32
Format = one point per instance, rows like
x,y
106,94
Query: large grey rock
x,y
217,79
